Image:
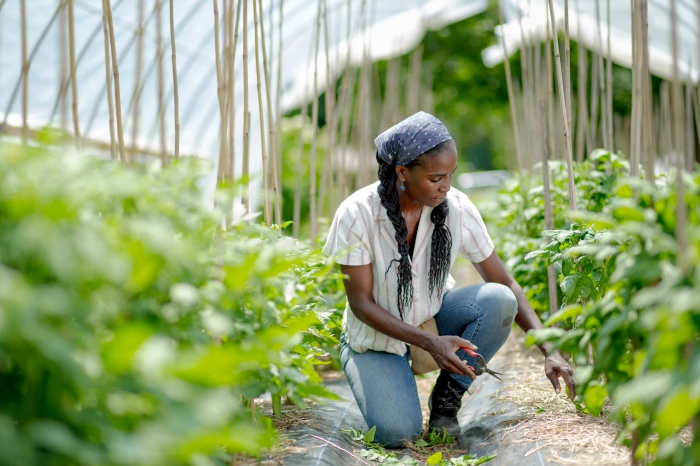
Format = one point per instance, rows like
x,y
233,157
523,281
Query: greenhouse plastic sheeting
x,y
527,20
379,28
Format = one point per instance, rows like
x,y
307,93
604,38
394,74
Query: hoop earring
x,y
403,188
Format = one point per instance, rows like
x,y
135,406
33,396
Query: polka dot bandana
x,y
405,141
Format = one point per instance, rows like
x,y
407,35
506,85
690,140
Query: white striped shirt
x,y
361,233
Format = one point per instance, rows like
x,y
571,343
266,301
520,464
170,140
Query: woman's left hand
x,y
555,366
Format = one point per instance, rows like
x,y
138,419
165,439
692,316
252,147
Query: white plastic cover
x,y
528,19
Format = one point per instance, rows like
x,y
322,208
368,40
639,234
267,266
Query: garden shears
x,y
480,366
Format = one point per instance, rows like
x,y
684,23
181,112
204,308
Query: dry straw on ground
x,y
550,420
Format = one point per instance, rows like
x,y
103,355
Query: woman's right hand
x,y
443,349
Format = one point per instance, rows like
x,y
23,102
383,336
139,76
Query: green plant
x,y
132,326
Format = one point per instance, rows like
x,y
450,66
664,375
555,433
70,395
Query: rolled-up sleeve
x,y
348,237
477,245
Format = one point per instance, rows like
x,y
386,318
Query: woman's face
x,y
429,181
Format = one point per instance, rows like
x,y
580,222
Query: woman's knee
x,y
393,433
494,297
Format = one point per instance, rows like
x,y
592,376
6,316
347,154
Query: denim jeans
x,y
383,383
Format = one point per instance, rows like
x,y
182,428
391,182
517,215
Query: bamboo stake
x,y
637,109
220,90
176,101
414,81
567,71
73,72
327,180
511,97
246,112
592,142
277,200
137,80
567,130
550,89
548,216
525,74
266,201
63,67
232,108
609,85
582,104
601,80
108,78
115,70
677,106
348,93
25,72
161,79
648,103
314,123
278,107
689,131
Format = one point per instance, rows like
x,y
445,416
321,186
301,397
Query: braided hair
x,y
440,250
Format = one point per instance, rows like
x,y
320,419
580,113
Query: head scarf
x,y
405,141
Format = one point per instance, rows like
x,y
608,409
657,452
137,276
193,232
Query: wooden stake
x,y
246,111
266,201
73,72
550,89
314,123
176,99
582,101
548,216
648,102
232,95
328,170
221,96
63,67
25,72
160,51
677,108
511,97
567,71
567,130
108,78
137,80
271,125
115,70
278,111
609,86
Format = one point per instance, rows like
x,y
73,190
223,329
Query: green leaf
x,y
595,397
369,435
568,284
434,459
675,411
568,312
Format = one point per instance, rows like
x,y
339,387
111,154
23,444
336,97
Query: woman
x,y
397,240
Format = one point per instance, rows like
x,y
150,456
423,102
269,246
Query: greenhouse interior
x,y
276,232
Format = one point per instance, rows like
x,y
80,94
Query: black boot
x,y
444,402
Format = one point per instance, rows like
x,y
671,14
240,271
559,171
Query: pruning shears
x,y
480,366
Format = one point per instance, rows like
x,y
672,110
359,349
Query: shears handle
x,y
470,351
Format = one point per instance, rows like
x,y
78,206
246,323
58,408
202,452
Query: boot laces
x,y
453,401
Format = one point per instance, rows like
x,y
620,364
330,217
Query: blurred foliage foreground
x,y
628,298
133,328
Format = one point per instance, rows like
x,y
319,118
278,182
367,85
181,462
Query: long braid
x,y
440,250
390,200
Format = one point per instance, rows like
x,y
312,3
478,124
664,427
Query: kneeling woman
x,y
398,239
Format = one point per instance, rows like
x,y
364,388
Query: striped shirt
x,y
361,233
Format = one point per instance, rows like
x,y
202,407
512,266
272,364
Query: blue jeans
x,y
383,383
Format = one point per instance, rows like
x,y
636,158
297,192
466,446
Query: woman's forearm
x,y
370,313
